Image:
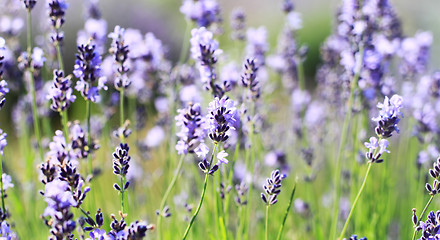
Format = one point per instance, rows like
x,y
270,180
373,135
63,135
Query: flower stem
x,y
32,86
355,201
1,185
342,143
280,232
167,193
421,216
89,137
267,221
121,113
199,206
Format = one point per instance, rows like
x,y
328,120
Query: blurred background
x,y
163,18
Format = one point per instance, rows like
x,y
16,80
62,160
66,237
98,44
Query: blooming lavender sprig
x,y
192,132
272,188
60,92
389,116
202,12
120,51
205,51
56,11
242,190
3,84
430,228
221,119
249,79
136,230
59,199
121,161
88,69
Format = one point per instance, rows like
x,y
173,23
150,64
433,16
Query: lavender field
x,y
186,120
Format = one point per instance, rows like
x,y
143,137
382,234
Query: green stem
x,y
60,58
421,215
123,193
63,115
301,77
185,45
1,185
267,221
280,232
167,193
89,138
342,143
121,113
32,86
199,206
355,201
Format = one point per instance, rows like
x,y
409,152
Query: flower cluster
x,y
207,167
434,172
248,78
88,69
203,12
59,199
36,60
205,51
3,141
119,49
238,24
242,190
272,188
192,132
121,161
29,4
57,10
257,45
3,84
221,118
60,92
431,227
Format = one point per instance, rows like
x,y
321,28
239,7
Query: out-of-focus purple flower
x,y
7,181
221,157
154,137
257,44
3,141
415,53
203,12
238,24
95,29
120,50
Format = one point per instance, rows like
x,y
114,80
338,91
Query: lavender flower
x,y
221,157
203,12
136,230
36,61
88,70
205,51
60,92
355,237
242,190
121,161
3,142
248,78
257,46
59,199
119,49
221,118
57,10
389,116
3,84
434,172
29,4
373,145
430,228
191,134
272,188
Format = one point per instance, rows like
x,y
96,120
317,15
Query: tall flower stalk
x,y
29,6
389,117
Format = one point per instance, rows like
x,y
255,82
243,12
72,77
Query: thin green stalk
x,y
301,77
1,185
267,222
280,232
342,143
199,206
167,193
121,113
421,215
123,193
185,45
63,115
32,86
89,138
355,201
